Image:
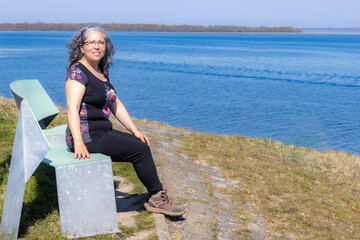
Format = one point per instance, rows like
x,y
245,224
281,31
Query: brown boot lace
x,y
166,196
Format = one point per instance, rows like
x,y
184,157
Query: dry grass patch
x,y
8,121
298,192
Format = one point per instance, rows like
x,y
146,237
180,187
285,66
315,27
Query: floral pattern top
x,y
95,106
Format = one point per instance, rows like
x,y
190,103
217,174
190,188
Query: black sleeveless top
x,y
95,105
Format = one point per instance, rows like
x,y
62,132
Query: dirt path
x,y
210,214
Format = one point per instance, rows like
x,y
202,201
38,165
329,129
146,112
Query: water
x,y
300,89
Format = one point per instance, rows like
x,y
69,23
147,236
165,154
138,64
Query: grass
x,y
144,221
296,191
299,193
40,217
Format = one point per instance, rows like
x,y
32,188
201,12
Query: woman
x,y
90,99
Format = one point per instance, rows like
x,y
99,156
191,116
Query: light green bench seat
x,y
59,155
59,130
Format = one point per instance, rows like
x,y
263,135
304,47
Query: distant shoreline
x,y
333,29
355,33
114,27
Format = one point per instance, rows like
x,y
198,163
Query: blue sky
x,y
270,13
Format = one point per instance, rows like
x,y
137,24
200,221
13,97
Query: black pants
x,y
124,147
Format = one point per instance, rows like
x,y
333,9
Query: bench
x,y
85,188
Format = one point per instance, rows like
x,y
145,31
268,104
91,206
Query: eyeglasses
x,y
93,43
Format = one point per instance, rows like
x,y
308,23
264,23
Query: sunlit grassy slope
x,y
297,193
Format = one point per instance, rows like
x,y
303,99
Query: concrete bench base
x,y
86,199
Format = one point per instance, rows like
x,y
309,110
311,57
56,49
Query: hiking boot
x,y
162,203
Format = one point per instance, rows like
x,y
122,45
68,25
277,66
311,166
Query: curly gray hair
x,y
77,41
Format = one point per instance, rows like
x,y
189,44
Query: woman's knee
x,y
144,148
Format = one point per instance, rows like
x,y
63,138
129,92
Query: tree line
x,y
117,27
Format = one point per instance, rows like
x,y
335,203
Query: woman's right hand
x,y
80,151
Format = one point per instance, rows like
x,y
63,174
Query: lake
x,y
300,89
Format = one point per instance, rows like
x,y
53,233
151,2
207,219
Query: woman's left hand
x,y
142,137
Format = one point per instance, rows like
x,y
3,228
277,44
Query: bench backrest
x,y
39,101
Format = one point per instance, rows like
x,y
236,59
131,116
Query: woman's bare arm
x,y
74,94
121,114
